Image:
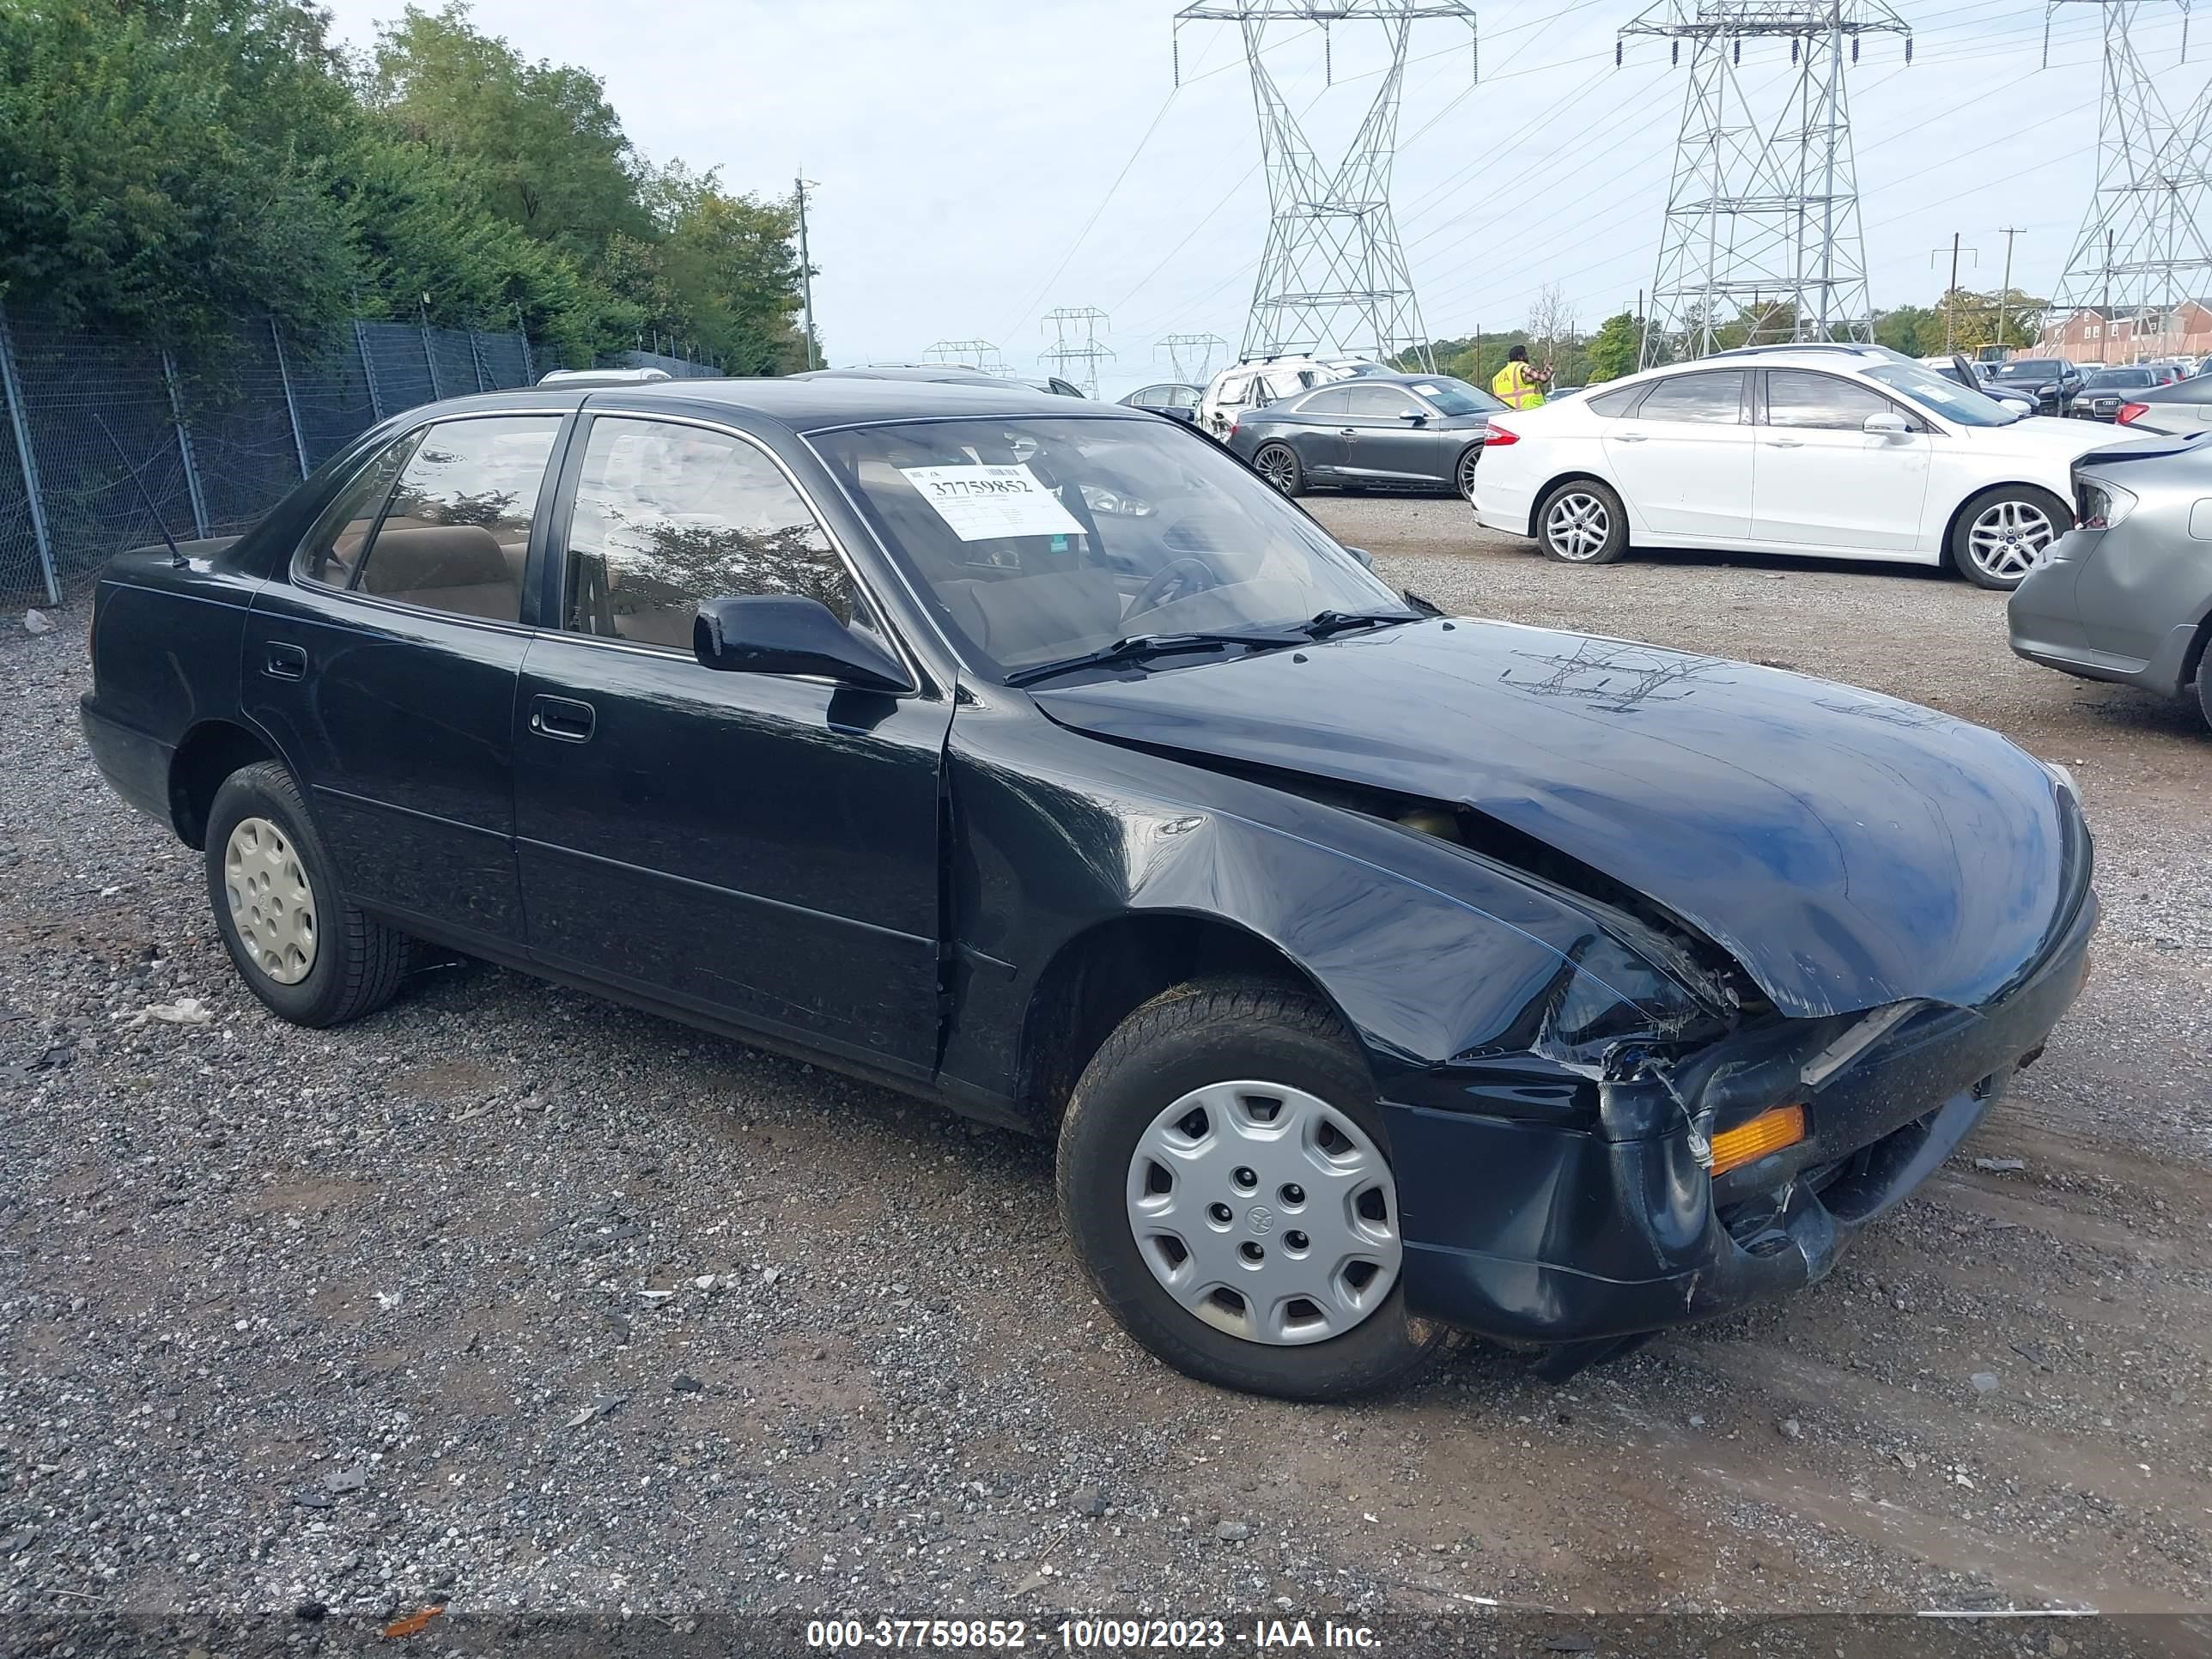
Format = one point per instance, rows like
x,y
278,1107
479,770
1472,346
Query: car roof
x,y
805,403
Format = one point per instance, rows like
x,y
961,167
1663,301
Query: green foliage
x,y
1614,350
168,164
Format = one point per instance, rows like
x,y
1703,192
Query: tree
x,y
1913,329
1617,347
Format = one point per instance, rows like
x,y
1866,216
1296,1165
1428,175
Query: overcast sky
x,y
978,165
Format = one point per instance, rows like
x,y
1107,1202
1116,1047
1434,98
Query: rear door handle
x,y
1631,437
284,662
563,718
1785,443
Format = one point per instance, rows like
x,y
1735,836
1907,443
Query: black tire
x,y
1280,465
357,963
2004,566
1463,471
2204,686
1186,1039
1602,515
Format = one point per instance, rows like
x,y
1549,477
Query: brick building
x,y
2127,334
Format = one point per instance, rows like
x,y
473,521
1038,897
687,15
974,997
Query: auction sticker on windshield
x,y
983,503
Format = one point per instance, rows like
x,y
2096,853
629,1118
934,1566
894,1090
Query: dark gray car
x,y
1387,431
2127,594
2183,406
2106,392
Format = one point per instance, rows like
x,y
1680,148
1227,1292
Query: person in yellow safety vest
x,y
1517,384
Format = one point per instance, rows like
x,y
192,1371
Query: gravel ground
x,y
512,1299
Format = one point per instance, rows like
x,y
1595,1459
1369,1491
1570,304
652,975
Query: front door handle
x,y
1785,443
563,718
1631,437
284,662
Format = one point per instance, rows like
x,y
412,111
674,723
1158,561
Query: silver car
x,y
2127,594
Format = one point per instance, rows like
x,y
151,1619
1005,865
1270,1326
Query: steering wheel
x,y
1178,580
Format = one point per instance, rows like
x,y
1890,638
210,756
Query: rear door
x,y
760,848
1823,480
384,668
1685,460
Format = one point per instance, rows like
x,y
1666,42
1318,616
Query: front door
x,y
1391,437
1684,461
760,848
1823,480
383,663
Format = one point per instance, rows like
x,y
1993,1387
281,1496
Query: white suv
x,y
1258,381
1823,450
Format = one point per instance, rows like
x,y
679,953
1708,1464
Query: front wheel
x,y
1226,1179
1583,522
1280,465
300,947
2001,534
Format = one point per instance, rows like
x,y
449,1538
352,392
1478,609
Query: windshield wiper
x,y
1138,646
1341,622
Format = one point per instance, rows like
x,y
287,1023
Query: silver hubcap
x,y
1577,525
1467,478
1265,1212
2007,538
1275,466
271,904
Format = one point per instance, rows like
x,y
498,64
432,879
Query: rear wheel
x,y
300,947
2001,534
1225,1177
1583,522
1464,474
1278,465
2204,685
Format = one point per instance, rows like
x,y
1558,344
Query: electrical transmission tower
x,y
1076,357
1190,357
1762,238
2142,249
1334,275
976,354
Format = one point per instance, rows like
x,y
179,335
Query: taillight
x,y
2100,506
2130,412
1501,435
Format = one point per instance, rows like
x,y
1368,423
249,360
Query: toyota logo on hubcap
x,y
1262,1219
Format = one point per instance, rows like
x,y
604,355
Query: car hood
x,y
1848,850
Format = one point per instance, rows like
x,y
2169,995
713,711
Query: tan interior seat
x,y
459,567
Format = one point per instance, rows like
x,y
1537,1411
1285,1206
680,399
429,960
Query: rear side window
x,y
667,515
1714,397
331,553
1614,403
457,531
1329,400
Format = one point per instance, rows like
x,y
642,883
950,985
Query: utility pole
x,y
806,271
1184,350
1951,293
2004,289
1078,359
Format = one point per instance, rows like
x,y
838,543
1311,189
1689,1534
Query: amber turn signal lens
x,y
1770,1131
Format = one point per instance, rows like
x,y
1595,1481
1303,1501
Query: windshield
x,y
1457,397
1948,399
2029,368
1036,538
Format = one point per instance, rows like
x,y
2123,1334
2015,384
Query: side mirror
x,y
1414,417
1886,425
789,634
1362,555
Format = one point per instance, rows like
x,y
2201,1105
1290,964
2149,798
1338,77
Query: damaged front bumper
x,y
1592,1229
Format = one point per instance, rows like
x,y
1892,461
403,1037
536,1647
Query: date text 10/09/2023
x,y
1084,1635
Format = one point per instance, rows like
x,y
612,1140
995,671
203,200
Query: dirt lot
x,y
513,1299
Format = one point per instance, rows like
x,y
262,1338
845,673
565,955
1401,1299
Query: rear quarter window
x,y
1619,402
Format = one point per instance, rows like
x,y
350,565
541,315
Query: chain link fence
x,y
97,425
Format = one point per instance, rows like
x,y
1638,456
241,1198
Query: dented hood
x,y
1847,850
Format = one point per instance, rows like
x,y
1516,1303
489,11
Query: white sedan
x,y
1829,451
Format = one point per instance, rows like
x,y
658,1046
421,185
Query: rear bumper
x,y
1543,1234
136,765
2045,624
1499,507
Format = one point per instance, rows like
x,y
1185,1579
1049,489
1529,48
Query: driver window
x,y
667,515
1382,402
